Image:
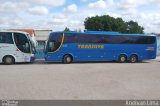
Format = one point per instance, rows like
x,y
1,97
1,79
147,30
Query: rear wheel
x,y
133,59
67,59
122,58
8,60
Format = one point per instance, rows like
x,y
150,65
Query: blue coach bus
x,y
70,47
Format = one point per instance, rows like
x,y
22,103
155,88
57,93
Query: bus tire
x,y
133,58
67,59
8,60
122,58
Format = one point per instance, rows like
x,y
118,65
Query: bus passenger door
x,y
23,47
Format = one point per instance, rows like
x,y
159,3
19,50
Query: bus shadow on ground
x,y
90,62
43,62
17,64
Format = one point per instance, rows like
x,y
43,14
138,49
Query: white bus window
x,y
6,38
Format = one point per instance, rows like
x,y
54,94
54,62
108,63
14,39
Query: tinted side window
x,y
151,40
6,37
88,38
69,38
94,38
109,39
146,40
81,39
55,38
128,39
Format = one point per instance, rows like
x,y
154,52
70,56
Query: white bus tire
x,y
8,60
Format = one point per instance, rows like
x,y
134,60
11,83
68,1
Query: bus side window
x,y
6,37
1,38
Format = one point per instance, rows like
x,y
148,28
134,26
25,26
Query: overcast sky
x,y
57,14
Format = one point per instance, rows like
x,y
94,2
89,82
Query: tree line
x,y
108,23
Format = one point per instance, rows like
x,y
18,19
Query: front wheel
x,y
133,59
8,60
67,59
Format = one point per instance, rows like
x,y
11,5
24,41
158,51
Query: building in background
x,y
41,37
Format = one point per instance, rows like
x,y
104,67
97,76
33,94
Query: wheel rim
x,y
8,60
68,59
133,59
123,59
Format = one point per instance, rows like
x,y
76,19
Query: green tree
x,y
133,27
66,29
108,23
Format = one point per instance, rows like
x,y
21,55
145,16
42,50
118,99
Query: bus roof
x,y
102,33
15,31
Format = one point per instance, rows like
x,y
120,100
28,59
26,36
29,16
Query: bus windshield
x,y
22,42
33,46
54,42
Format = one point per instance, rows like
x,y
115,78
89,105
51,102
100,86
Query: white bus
x,y
16,46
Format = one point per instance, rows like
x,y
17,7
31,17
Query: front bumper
x,y
32,59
